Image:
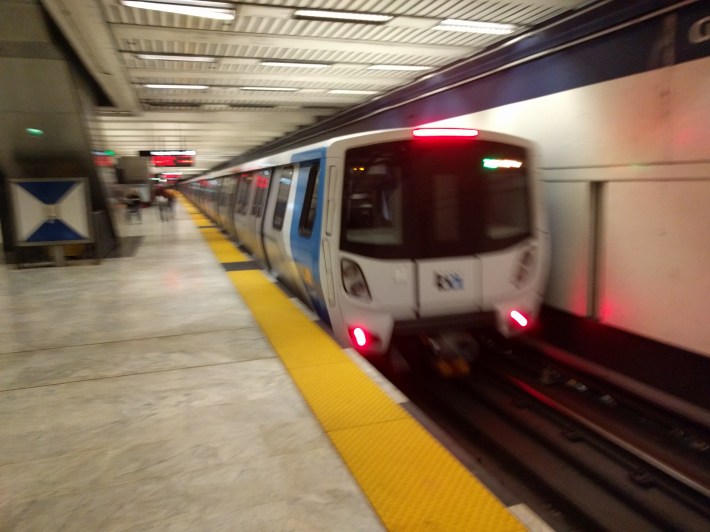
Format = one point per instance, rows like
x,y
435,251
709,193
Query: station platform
x,y
177,387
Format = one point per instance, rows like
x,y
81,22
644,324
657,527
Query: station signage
x,y
103,158
170,158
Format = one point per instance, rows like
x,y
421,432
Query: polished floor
x,y
139,394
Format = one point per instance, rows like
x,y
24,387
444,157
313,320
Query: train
x,y
427,233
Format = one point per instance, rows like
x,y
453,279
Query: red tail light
x,y
518,318
361,338
444,132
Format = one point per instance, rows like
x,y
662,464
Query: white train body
x,y
385,233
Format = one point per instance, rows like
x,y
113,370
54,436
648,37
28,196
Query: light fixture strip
x,y
173,86
275,89
293,64
473,26
214,4
176,57
201,9
404,68
342,16
347,91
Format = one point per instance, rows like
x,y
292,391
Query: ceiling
x,y
234,112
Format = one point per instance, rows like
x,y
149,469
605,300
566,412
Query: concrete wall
x,y
42,87
627,174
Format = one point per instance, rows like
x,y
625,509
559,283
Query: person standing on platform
x,y
161,198
170,195
133,205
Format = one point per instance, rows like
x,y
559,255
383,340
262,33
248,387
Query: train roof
x,y
317,150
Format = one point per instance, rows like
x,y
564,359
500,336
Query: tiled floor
x,y
138,394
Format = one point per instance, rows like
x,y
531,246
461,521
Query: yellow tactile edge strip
x,y
411,480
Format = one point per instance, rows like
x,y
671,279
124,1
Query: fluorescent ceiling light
x,y
341,16
281,89
251,106
411,68
472,26
170,104
176,57
346,91
294,64
195,8
168,86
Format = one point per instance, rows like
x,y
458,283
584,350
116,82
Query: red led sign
x,y
103,160
172,160
165,158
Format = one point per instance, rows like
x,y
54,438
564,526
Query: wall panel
x,y
655,268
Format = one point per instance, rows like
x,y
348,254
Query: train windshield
x,y
434,198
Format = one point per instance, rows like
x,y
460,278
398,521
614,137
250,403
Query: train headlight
x,y
353,280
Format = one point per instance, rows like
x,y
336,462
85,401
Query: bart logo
x,y
446,282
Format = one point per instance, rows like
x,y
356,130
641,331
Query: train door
x,y
223,201
278,217
217,201
447,199
241,205
305,233
261,183
228,214
213,188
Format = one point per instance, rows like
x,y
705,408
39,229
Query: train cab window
x,y
282,197
507,211
373,213
446,225
434,198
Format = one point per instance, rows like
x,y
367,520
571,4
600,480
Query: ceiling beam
x,y
83,25
359,75
176,118
134,32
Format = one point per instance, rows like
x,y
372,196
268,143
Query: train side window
x,y
243,194
262,185
310,203
238,194
227,191
282,197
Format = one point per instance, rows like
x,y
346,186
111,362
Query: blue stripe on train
x,y
534,67
306,249
642,47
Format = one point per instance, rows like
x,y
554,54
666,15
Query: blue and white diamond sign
x,y
50,211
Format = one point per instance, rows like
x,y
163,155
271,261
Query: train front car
x,y
441,235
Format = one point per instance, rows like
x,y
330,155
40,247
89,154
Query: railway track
x,y
582,451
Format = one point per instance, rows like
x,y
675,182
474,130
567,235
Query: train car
x,y
431,233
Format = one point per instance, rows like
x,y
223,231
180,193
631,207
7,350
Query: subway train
x,y
432,233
